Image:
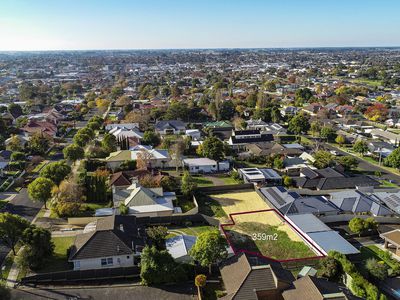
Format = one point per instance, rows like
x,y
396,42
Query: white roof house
x,y
119,132
143,201
204,165
179,247
123,125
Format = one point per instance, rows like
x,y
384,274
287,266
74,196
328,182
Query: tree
x,y
86,130
377,112
315,128
169,184
200,281
328,133
38,245
378,270
56,171
15,143
371,224
176,150
213,148
226,110
81,139
150,138
361,147
40,190
15,110
11,229
276,114
39,143
329,268
323,159
109,143
17,156
123,209
188,184
73,152
357,225
210,247
143,159
157,234
149,181
128,165
303,95
340,139
158,266
287,181
299,124
393,159
348,162
278,163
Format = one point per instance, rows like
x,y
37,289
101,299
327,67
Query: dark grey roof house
x,y
109,242
170,127
244,281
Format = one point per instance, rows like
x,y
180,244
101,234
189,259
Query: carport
x,y
392,238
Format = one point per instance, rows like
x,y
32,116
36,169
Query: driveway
x,y
20,205
181,292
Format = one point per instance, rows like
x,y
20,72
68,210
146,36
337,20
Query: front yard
x,y
59,261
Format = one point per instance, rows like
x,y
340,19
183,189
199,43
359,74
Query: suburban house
x,y
194,134
44,127
288,203
272,148
273,128
108,242
122,125
260,176
170,127
204,165
392,200
156,158
179,247
240,138
330,178
220,129
319,235
382,149
122,132
126,178
245,280
313,288
386,136
356,202
144,202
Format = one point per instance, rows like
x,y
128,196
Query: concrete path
x,y
14,271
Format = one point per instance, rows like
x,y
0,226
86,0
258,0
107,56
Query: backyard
x,y
189,230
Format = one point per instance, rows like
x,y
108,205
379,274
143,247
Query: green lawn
x,y
185,204
373,251
39,166
59,261
209,206
385,183
228,180
276,244
370,82
201,181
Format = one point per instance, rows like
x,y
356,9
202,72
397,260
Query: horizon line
x,y
201,48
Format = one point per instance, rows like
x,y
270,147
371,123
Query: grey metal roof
x,y
308,223
331,240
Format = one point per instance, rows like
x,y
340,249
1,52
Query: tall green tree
x,y
38,244
73,152
188,184
210,248
56,171
109,143
213,148
361,147
40,190
158,235
151,138
81,139
11,229
323,159
299,124
393,159
39,143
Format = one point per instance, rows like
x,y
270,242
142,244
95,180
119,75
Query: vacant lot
x,y
241,201
268,240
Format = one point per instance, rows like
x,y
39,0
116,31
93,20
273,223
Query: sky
x,y
173,24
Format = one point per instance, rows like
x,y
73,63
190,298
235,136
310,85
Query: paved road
x,y
23,206
368,166
106,292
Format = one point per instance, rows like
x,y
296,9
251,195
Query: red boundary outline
x,y
259,254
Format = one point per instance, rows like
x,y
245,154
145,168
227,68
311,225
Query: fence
x,y
77,276
225,188
348,217
178,220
